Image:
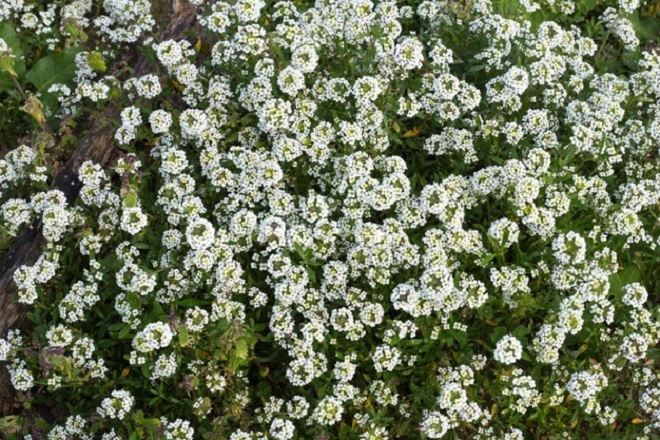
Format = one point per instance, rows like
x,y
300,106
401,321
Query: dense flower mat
x,y
347,219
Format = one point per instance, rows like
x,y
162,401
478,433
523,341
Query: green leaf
x,y
615,284
34,108
184,338
76,32
485,260
311,274
116,326
131,200
520,332
569,153
34,318
96,61
460,337
42,424
299,250
59,68
631,274
7,64
497,334
124,332
241,349
8,34
10,425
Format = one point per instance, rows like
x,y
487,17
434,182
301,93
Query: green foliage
x,y
57,68
8,34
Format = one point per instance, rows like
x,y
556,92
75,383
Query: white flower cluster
x,y
126,20
585,385
21,377
621,26
118,406
5,349
152,337
29,278
508,350
179,430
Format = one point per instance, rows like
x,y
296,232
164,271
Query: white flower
x,y
5,348
131,118
291,80
634,295
634,347
179,430
169,52
59,336
200,233
305,58
160,121
154,336
508,350
386,357
118,406
504,231
328,411
164,366
409,53
148,86
193,122
21,378
435,424
282,429
133,220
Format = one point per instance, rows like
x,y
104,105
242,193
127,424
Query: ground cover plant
x,y
341,219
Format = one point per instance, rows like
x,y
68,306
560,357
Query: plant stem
x,y
18,86
44,124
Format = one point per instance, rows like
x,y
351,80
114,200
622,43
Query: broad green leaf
x,y
59,68
42,424
615,284
520,332
646,28
630,274
7,64
8,34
